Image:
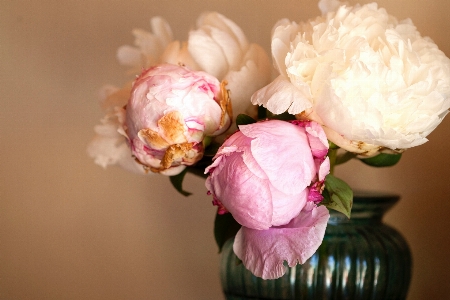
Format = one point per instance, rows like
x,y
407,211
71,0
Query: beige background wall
x,y
71,230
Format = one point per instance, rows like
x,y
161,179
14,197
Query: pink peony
x,y
170,112
269,176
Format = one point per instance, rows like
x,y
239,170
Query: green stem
x,y
332,154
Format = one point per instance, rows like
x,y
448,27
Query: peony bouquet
x,y
353,83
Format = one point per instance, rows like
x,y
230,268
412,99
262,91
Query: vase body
x,y
360,258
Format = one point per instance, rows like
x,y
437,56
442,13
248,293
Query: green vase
x,y
360,258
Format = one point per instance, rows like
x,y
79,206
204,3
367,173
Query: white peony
x,y
372,81
218,46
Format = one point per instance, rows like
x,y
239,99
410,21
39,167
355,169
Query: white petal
x,y
280,95
219,21
327,6
162,30
129,56
207,53
253,75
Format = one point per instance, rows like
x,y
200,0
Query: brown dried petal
x,y
172,127
153,139
176,152
225,103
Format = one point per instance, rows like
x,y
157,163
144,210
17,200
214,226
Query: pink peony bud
x,y
263,172
268,176
170,112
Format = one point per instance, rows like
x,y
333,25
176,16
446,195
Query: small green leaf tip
x,y
337,195
177,182
243,119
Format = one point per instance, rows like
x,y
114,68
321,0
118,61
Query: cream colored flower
x,y
109,146
372,81
218,46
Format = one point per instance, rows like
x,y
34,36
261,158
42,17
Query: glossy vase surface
x,y
360,258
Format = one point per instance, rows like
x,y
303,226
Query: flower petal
x,y
129,56
292,168
280,96
161,30
218,45
264,251
286,207
254,74
317,139
327,6
246,196
283,32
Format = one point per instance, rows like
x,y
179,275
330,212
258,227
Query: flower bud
x,y
170,111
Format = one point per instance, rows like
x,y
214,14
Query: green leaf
x,y
337,195
382,160
343,158
225,227
177,182
242,119
212,148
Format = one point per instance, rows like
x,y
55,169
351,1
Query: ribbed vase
x,y
360,258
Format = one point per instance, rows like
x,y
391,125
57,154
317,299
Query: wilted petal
x,y
170,111
264,251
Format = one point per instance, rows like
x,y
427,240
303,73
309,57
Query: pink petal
x,y
315,194
317,139
286,207
324,169
264,251
243,194
282,150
